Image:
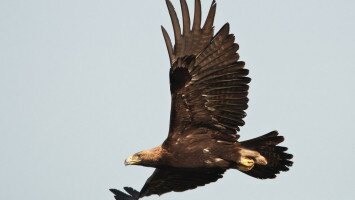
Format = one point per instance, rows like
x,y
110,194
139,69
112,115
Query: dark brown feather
x,y
178,180
197,17
191,42
131,194
174,21
168,43
210,17
205,69
277,157
185,17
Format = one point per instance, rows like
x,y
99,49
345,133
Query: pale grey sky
x,y
84,84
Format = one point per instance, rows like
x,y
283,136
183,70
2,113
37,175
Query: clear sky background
x,y
84,84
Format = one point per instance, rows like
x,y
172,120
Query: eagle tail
x,y
277,158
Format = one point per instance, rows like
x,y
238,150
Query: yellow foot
x,y
245,164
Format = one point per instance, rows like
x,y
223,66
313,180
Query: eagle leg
x,y
245,164
249,158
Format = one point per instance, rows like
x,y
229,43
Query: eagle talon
x,y
246,164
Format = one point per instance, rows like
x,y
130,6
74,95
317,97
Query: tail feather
x,y
277,157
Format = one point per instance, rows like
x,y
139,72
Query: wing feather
x,y
178,180
168,43
186,17
192,41
174,20
209,85
197,17
215,44
210,17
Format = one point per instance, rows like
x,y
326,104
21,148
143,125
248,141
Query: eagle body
x,y
201,148
209,96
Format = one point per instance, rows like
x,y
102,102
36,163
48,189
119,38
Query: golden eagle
x,y
209,88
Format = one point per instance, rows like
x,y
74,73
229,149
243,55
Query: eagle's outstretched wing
x,y
167,180
208,83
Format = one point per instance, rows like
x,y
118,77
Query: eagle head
x,y
150,158
133,160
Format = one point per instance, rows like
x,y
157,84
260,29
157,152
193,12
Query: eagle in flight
x,y
209,89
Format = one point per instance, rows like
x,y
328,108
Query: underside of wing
x,y
209,85
178,180
130,194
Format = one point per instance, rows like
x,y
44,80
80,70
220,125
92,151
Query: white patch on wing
x,y
208,162
210,108
206,150
221,141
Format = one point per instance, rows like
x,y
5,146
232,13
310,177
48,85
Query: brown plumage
x,y
209,88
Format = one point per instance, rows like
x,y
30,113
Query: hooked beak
x,y
132,160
